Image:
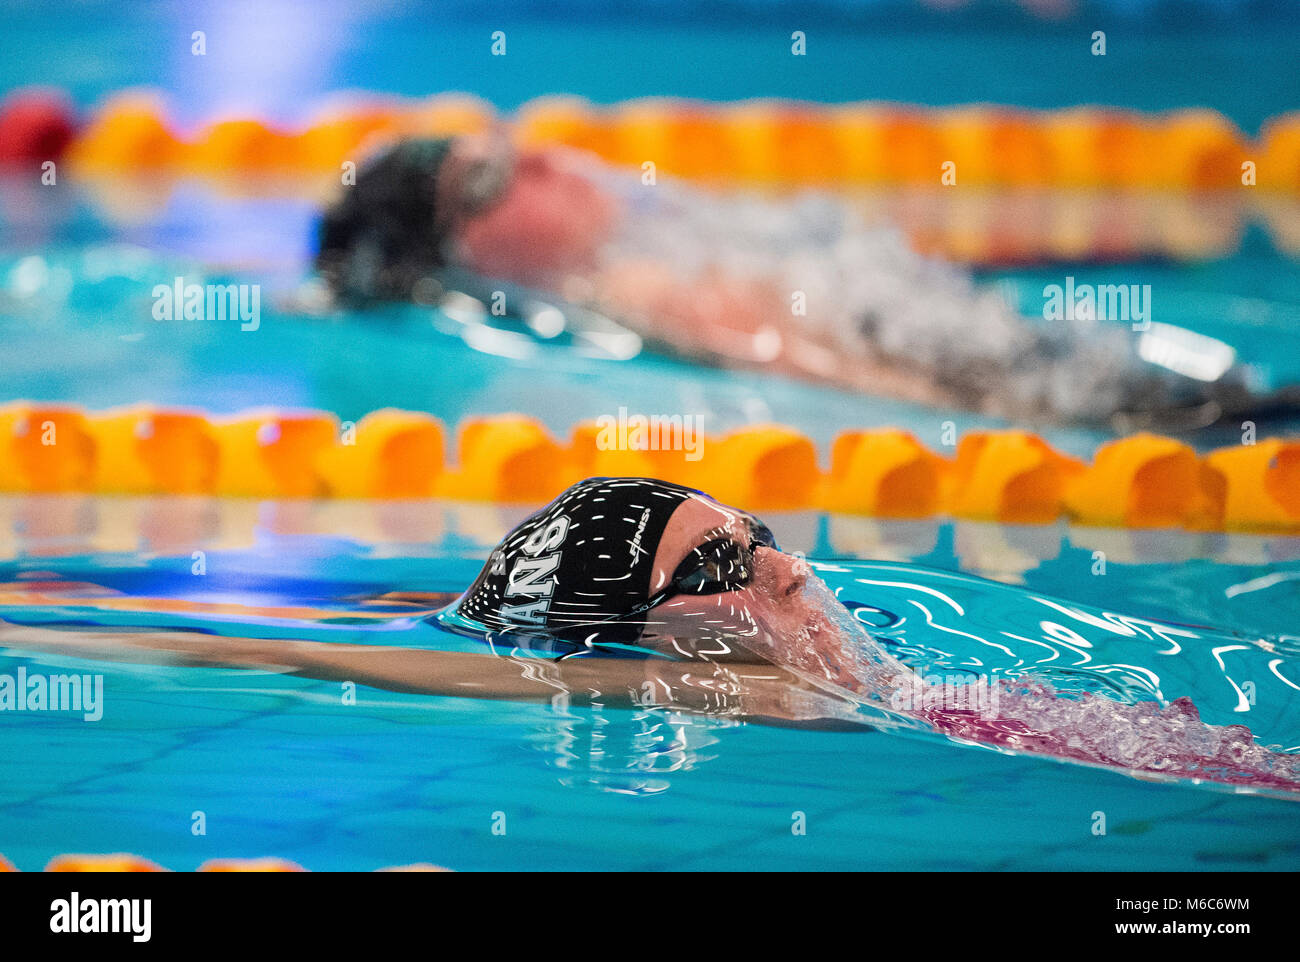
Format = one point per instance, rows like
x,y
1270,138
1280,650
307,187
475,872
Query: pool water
x,y
78,263
268,60
279,765
80,303
285,766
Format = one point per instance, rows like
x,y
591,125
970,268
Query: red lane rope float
x,y
35,126
1009,476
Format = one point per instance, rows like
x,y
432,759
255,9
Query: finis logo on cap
x,y
634,546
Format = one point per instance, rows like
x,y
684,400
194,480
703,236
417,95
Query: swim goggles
x,y
716,566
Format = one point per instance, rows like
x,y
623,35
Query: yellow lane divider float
x,y
756,141
1033,185
1008,476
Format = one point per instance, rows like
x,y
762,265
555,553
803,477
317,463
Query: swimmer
x,y
710,277
637,593
726,622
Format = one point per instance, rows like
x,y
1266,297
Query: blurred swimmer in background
x,y
714,278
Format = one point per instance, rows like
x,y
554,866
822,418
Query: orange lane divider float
x,y
145,450
46,447
755,141
1012,477
123,862
1254,486
387,454
1142,481
250,865
884,474
119,862
505,458
767,467
1088,182
270,454
592,455
130,132
1279,165
782,142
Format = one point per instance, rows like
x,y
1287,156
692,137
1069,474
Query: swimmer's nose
x,y
791,572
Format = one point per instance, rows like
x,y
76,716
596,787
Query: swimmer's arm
x,y
398,669
744,691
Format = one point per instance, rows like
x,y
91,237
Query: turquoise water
x,y
83,306
1250,299
268,59
75,309
280,765
73,312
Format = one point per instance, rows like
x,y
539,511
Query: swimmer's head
x,y
473,201
587,566
723,589
634,560
391,229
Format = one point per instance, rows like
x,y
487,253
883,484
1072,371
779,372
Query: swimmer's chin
x,y
840,652
802,627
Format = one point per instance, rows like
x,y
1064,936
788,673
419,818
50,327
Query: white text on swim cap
x,y
533,575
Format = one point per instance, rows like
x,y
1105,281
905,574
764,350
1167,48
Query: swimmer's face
x,y
542,220
751,599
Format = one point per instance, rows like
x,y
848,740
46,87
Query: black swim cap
x,y
582,561
382,235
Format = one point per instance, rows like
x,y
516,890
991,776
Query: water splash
x,y
1077,683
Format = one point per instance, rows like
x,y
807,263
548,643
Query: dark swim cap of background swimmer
x,y
383,234
584,559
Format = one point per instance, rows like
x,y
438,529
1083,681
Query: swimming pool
x,y
278,766
275,765
284,766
